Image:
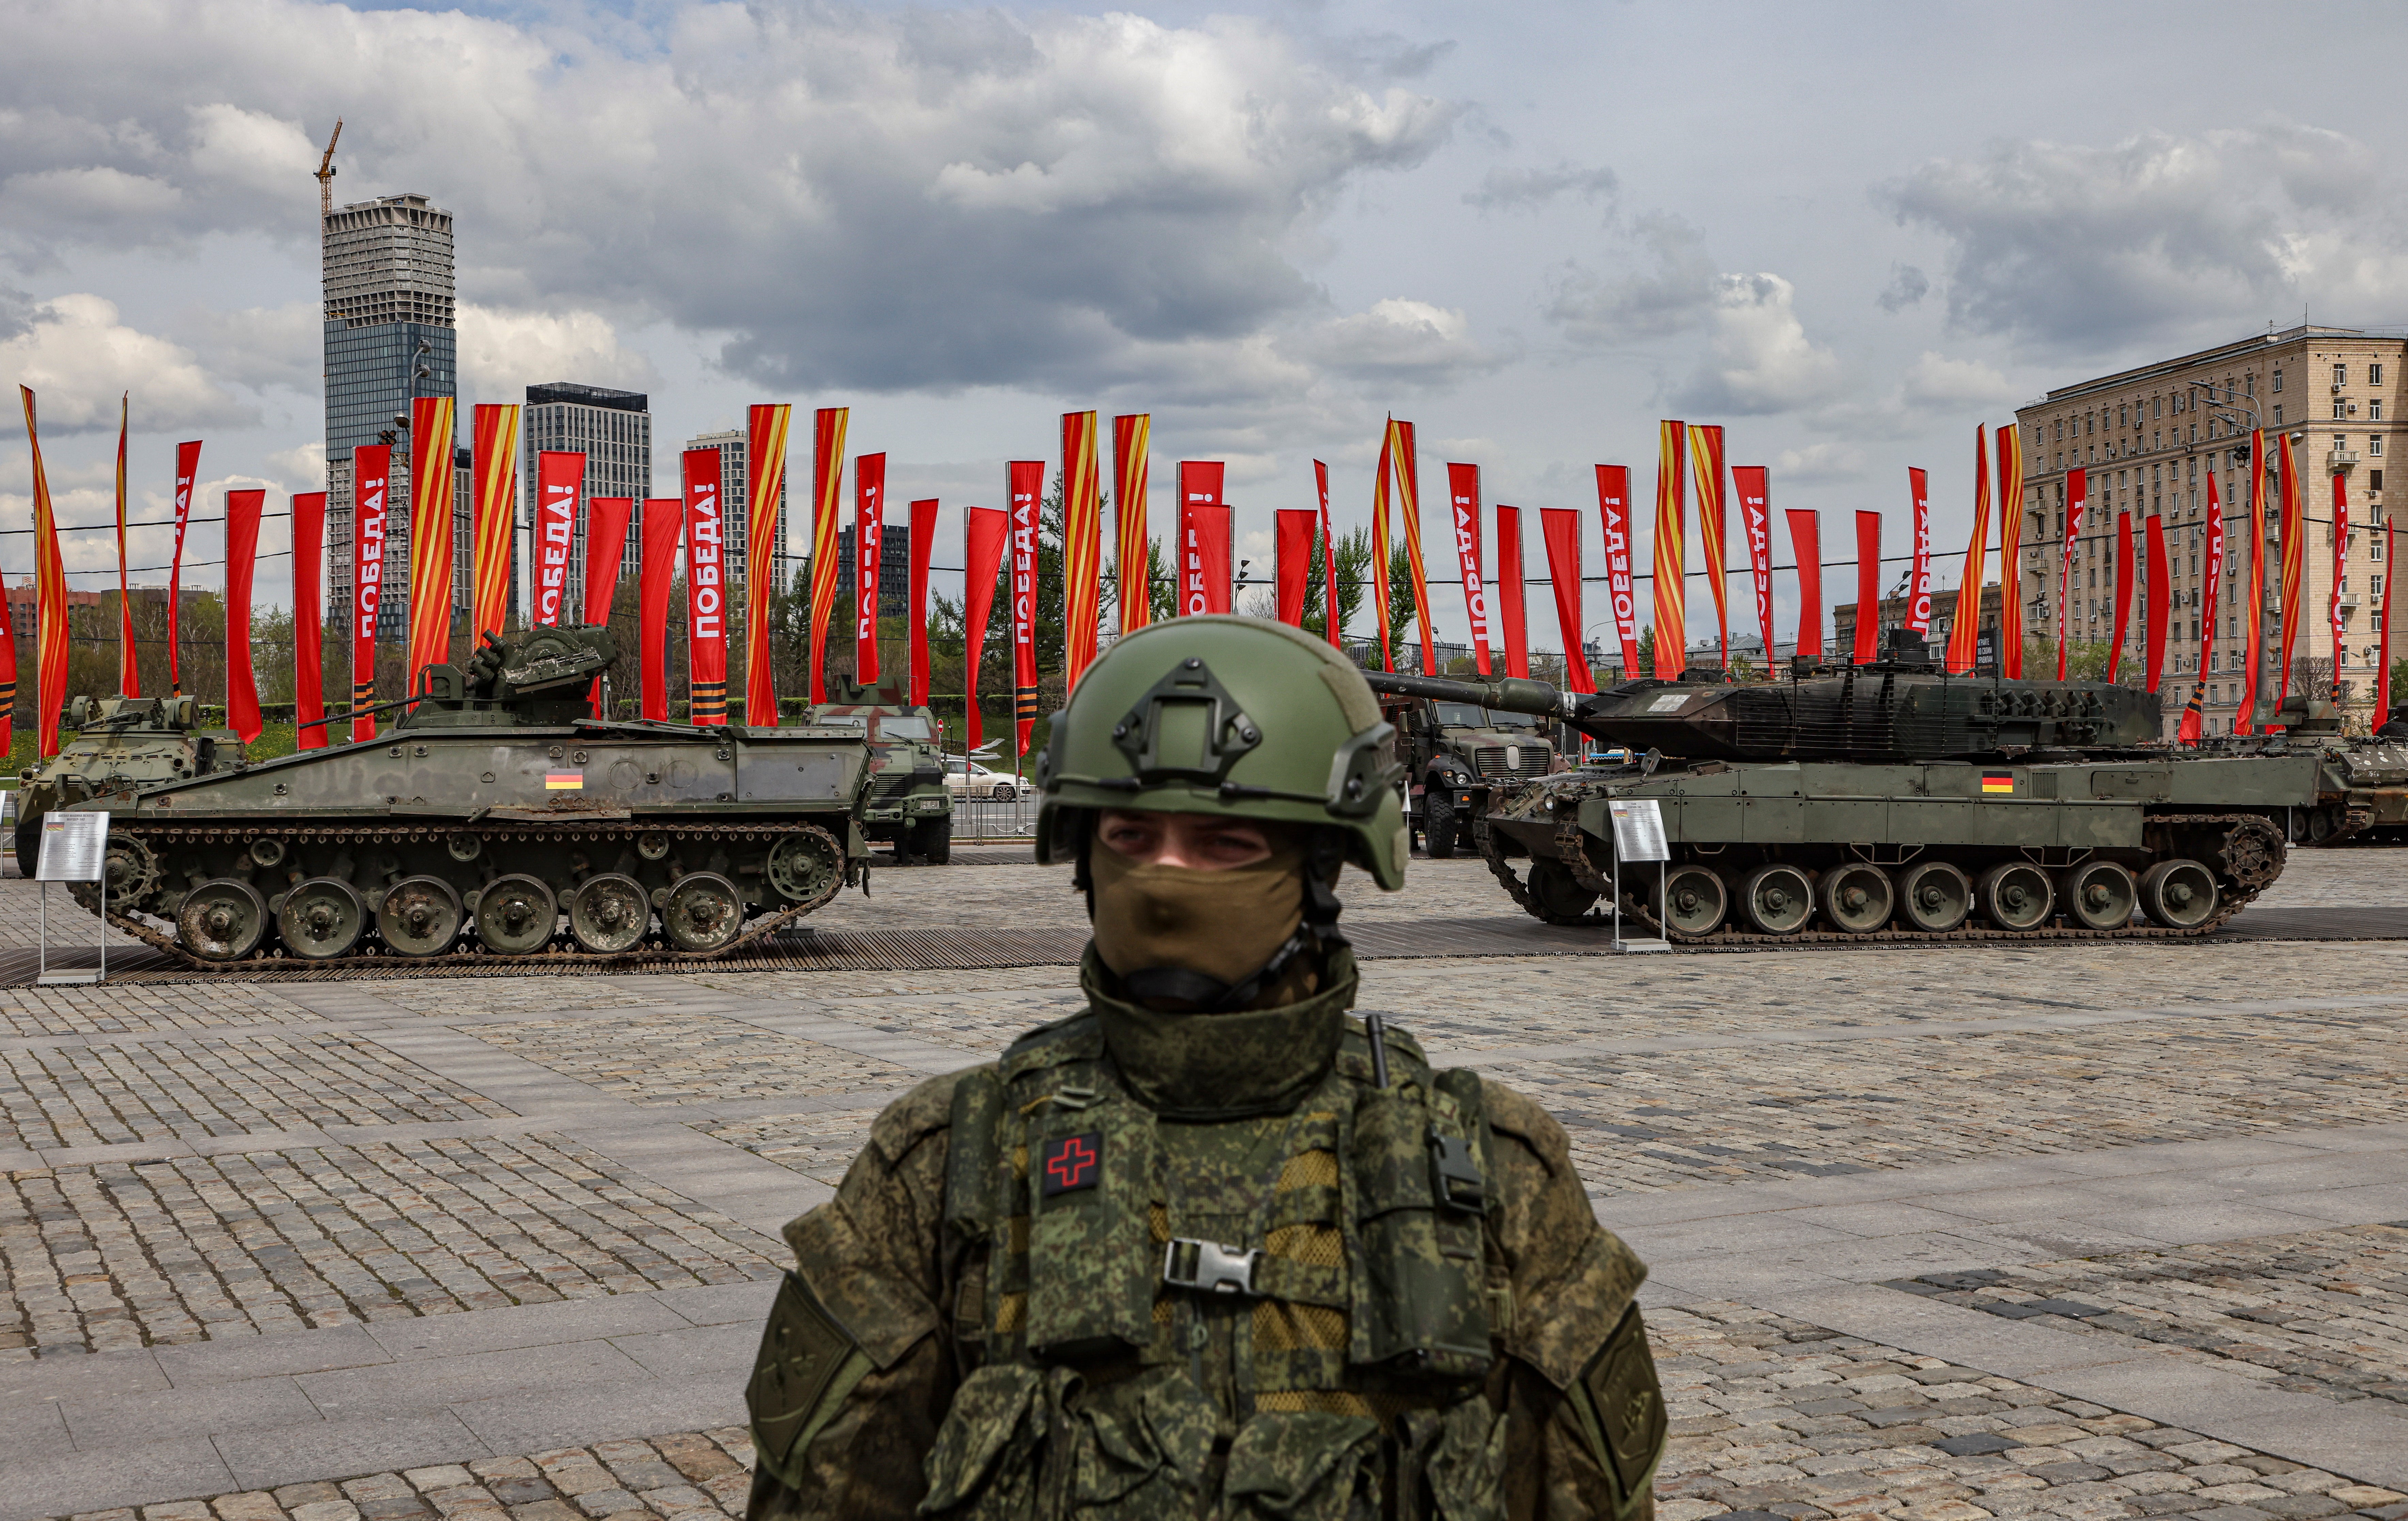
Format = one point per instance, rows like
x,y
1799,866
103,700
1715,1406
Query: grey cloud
x,y
2159,234
1676,294
1907,287
1401,342
1521,189
915,201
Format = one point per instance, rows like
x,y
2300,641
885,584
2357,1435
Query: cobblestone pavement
x,y
671,1059
139,1253
2323,1312
1775,1417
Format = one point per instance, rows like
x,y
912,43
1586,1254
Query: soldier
x,y
1211,1248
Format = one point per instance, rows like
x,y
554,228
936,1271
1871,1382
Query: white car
x,y
977,780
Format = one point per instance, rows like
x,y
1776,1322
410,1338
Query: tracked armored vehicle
x,y
1892,802
121,742
497,821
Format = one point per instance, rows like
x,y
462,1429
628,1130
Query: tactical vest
x,y
1366,1301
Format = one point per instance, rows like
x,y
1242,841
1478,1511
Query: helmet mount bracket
x,y
1187,727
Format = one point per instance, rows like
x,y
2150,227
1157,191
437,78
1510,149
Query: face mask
x,y
1223,924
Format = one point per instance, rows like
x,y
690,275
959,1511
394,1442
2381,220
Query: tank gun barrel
x,y
1506,695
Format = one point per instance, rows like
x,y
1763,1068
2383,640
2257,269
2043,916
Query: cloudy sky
x,y
1849,233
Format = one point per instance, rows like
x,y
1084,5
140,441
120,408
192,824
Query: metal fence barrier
x,y
988,818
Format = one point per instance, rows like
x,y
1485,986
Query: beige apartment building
x,y
2149,437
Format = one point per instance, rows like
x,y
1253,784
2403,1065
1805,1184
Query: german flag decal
x,y
1998,782
563,780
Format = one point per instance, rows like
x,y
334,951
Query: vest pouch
x,y
983,1466
1304,1465
1092,1262
1139,1447
1451,1462
1420,1304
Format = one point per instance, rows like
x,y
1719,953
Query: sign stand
x,y
1638,836
75,848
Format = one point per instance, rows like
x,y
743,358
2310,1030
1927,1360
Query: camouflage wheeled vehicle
x,y
908,805
1894,802
497,822
120,742
1458,756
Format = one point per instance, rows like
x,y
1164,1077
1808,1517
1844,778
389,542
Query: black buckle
x,y
1455,1175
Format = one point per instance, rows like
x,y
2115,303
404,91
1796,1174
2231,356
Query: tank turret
x,y
121,743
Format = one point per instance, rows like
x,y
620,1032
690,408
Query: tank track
x,y
653,948
1726,937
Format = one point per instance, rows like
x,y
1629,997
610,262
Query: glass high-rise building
x,y
390,338
735,453
614,430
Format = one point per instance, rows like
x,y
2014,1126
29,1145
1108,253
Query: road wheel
x,y
222,920
806,867
2098,895
517,915
932,840
610,913
1777,899
2178,893
1859,898
1935,895
323,918
1695,901
2016,895
704,912
1561,897
1438,823
419,916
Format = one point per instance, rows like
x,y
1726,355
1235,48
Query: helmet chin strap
x,y
1324,855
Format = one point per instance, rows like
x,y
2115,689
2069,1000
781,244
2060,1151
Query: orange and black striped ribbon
x,y
1023,702
709,699
7,701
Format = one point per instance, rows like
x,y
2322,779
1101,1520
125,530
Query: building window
x,y
2278,409
2278,382
2374,411
2375,445
2340,375
2375,480
2248,385
2341,408
2375,374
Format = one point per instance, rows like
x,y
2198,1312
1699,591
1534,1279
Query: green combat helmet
x,y
1241,717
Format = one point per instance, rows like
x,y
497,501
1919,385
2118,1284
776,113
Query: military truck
x,y
120,742
909,805
1456,755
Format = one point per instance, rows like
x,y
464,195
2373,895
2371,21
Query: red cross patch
x,y
1071,1163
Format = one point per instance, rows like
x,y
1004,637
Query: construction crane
x,y
326,176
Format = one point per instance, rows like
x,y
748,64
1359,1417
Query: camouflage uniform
x,y
1262,1262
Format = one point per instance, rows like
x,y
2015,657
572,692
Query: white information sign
x,y
1639,829
73,847
1669,703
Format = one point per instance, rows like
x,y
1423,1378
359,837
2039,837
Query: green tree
x,y
1401,614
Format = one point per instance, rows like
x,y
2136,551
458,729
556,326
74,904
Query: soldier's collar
x,y
1194,1067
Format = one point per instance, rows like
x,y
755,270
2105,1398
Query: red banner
x,y
1753,484
1203,548
606,545
129,679
827,482
2295,561
1463,513
1409,506
2253,611
1292,561
309,611
1965,627
188,470
2123,590
2077,501
987,530
1025,488
1130,435
868,550
1918,587
2160,593
2192,718
371,503
559,481
1082,543
1706,464
493,474
2010,550
51,615
1672,554
1621,589
924,541
764,493
242,510
1806,548
705,590
1559,527
1513,611
1379,546
430,536
655,569
2382,654
1869,607
1329,620
2340,575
